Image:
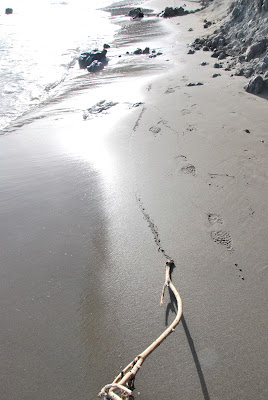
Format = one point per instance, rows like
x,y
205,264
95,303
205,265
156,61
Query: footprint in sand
x,y
214,219
170,90
155,130
185,111
189,169
223,238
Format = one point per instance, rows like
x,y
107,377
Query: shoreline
x,y
82,272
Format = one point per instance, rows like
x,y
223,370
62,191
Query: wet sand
x,y
81,273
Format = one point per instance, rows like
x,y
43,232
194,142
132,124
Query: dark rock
x,y
205,26
191,51
215,75
222,56
256,49
137,51
190,29
194,84
197,48
146,50
170,12
217,65
218,41
87,58
205,48
9,11
106,46
239,72
255,85
215,54
248,73
95,66
204,63
136,13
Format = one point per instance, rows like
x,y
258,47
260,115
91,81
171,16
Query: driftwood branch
x,y
124,382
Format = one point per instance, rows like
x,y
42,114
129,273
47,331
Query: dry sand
x,y
81,274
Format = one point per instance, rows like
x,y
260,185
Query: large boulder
x,y
256,49
255,85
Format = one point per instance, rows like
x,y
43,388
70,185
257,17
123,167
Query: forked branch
x,y
123,384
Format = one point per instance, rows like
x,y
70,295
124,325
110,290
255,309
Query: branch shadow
x,y
172,307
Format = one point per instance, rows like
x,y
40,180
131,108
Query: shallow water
x,y
39,51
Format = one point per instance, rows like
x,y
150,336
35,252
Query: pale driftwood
x,y
125,380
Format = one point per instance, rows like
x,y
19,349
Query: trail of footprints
x,y
222,237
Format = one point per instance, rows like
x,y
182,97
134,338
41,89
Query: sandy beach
x,y
92,208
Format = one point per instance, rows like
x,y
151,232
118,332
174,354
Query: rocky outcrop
x,y
241,39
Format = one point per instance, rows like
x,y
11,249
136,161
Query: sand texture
x,y
92,208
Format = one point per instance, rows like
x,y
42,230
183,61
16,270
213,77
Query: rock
x,y
217,65
256,49
190,29
9,11
239,72
222,56
194,84
215,54
191,51
170,12
248,72
255,85
205,48
137,51
87,58
95,66
106,46
215,75
204,63
136,13
146,50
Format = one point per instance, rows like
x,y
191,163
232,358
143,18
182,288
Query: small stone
x,y
205,48
191,51
204,63
190,29
215,75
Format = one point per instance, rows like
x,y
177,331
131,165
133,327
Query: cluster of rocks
x,y
241,39
94,60
152,54
170,12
